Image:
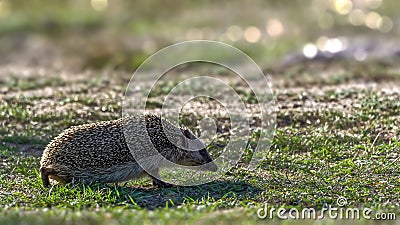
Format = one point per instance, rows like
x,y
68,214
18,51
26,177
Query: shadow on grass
x,y
151,198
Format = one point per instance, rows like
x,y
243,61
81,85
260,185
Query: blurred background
x,y
75,35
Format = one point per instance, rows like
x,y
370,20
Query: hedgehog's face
x,y
196,157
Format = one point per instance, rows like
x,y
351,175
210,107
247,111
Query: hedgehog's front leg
x,y
160,183
157,182
44,175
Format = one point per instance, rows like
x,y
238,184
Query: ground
x,y
339,139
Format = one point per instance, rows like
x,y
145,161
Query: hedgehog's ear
x,y
187,134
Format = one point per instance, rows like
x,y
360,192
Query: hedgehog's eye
x,y
183,142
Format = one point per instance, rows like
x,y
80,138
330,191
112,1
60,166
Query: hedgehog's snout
x,y
211,166
196,157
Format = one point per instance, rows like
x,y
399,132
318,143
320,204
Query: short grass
x,y
339,141
337,121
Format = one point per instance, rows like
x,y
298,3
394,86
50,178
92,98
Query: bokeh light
x,y
343,6
99,5
385,24
359,13
310,50
274,28
4,8
357,17
373,4
252,34
321,42
335,45
371,20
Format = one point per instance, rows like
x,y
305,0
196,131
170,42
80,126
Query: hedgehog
x,y
99,152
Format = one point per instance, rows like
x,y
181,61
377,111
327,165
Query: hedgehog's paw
x,y
161,184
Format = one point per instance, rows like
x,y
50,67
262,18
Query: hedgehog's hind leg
x,y
46,173
159,183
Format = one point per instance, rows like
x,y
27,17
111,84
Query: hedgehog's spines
x,y
99,151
